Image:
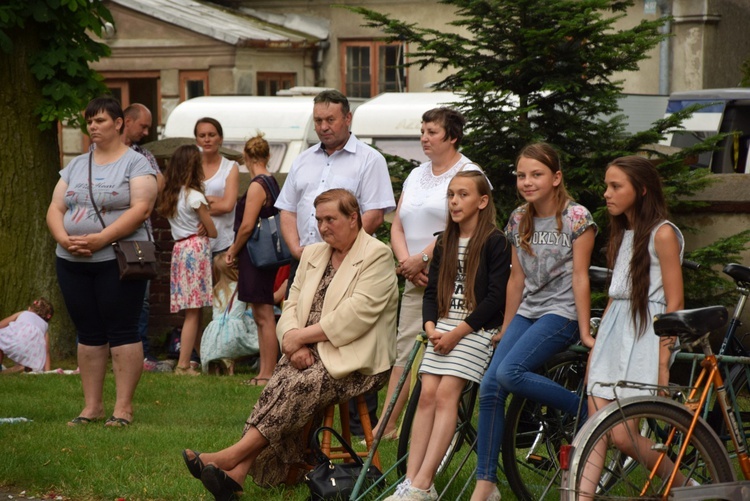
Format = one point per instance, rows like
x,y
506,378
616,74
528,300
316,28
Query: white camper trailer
x,y
392,121
286,123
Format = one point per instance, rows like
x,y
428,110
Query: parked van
x,y
728,110
392,121
286,122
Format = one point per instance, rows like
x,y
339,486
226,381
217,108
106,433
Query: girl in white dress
x,y
24,338
645,253
463,306
232,333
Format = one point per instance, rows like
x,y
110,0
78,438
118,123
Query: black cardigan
x,y
489,284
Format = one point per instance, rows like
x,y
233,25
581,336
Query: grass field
x,y
142,462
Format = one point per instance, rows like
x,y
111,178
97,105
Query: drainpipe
x,y
320,48
665,67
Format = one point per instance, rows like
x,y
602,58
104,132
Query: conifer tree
x,y
536,70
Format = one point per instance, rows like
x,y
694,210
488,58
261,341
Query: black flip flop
x,y
117,422
82,420
195,466
218,483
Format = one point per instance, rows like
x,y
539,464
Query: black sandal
x,y
82,420
218,483
195,466
116,422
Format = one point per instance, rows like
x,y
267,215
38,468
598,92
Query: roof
x,y
711,94
232,27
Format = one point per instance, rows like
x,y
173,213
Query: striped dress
x,y
470,357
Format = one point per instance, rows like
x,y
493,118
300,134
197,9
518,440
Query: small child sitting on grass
x,y
24,338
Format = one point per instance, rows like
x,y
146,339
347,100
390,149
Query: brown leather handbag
x,y
135,258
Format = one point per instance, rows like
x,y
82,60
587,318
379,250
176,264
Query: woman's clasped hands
x,y
443,342
413,269
85,245
300,356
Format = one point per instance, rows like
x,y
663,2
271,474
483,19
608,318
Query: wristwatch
x,y
425,258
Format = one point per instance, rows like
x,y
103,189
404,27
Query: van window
x,y
685,139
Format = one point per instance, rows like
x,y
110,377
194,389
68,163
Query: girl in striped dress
x,y
462,308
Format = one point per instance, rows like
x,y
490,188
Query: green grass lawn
x,y
142,462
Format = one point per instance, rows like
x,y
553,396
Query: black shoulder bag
x,y
331,480
266,246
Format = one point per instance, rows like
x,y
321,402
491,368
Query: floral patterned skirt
x,y
190,281
290,400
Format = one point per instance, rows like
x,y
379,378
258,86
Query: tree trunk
x,y
29,166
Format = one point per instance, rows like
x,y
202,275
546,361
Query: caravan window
x,y
409,149
278,150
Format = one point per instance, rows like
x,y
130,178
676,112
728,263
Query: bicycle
x,y
534,434
678,432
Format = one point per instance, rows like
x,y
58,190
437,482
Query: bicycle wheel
x,y
465,431
705,459
534,433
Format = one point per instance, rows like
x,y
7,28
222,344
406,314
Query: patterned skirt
x,y
291,399
190,281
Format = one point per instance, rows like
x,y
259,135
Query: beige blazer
x,y
359,310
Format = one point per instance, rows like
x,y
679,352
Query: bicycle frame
x,y
711,374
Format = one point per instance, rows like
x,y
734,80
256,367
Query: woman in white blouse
x,y
221,180
421,212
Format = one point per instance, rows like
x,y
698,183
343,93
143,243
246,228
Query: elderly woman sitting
x,y
337,338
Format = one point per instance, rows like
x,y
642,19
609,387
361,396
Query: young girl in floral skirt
x,y
184,204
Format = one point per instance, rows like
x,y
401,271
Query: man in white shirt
x,y
340,160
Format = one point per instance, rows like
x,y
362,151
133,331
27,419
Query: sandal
x,y
186,371
83,420
256,381
117,422
195,466
221,485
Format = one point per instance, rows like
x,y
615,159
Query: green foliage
x,y
532,70
706,286
61,61
543,70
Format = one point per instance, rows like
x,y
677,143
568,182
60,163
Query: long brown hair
x,y
546,155
448,243
184,170
649,209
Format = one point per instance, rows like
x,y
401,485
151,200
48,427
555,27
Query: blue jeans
x,y
527,344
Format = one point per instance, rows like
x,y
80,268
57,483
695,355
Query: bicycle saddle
x,y
738,272
690,325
